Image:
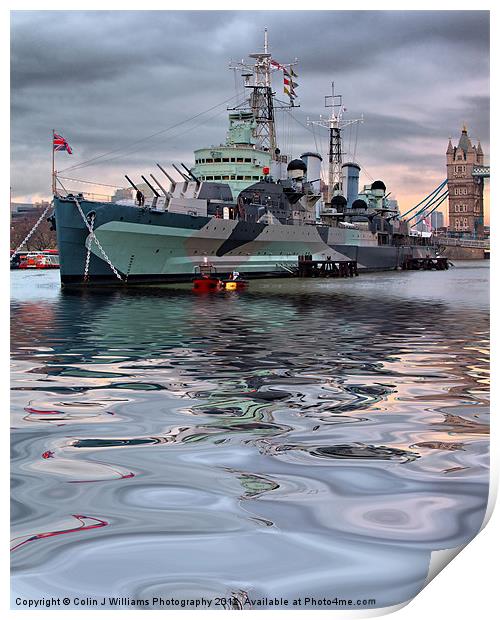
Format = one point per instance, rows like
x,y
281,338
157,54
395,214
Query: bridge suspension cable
x,y
445,195
428,204
429,197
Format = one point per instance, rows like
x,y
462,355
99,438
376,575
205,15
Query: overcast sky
x,y
105,79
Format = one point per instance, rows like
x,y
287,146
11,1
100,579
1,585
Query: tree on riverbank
x,y
42,238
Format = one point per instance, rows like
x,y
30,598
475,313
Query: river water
x,y
302,440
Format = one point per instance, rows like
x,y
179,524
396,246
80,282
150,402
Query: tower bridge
x,y
463,187
466,172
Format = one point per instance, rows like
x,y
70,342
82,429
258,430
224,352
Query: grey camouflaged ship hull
x,y
147,245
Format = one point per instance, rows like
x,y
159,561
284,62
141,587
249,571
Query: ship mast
x,y
335,123
257,78
261,98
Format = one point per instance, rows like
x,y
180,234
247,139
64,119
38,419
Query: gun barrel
x,y
131,183
189,172
174,183
167,194
150,186
181,173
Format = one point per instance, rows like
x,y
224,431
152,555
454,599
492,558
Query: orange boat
x,y
46,259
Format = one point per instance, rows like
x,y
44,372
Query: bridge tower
x,y
465,185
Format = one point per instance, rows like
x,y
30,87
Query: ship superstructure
x,y
239,162
251,144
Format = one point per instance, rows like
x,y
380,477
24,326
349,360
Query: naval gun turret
x,y
285,201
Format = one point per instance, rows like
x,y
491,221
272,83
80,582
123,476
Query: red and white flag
x,y
61,144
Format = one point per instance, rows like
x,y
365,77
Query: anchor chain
x,y
29,235
96,240
87,260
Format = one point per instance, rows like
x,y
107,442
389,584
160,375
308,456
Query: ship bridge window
x,y
217,177
209,178
225,159
217,160
210,161
225,178
239,178
239,160
248,160
233,159
248,178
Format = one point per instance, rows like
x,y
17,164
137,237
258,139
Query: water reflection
x,y
291,440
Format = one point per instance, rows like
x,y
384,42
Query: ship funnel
x,y
313,165
350,173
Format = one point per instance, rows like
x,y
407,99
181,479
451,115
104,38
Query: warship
x,y
244,206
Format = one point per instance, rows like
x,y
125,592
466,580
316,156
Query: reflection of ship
x,y
243,206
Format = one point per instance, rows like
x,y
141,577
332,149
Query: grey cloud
x,y
108,78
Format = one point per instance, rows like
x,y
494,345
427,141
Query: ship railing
x,y
93,197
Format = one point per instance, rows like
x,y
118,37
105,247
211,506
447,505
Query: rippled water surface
x,y
302,439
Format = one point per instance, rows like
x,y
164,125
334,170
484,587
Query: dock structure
x,y
309,268
439,263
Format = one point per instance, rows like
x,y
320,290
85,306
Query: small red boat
x,y
46,259
207,284
206,279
